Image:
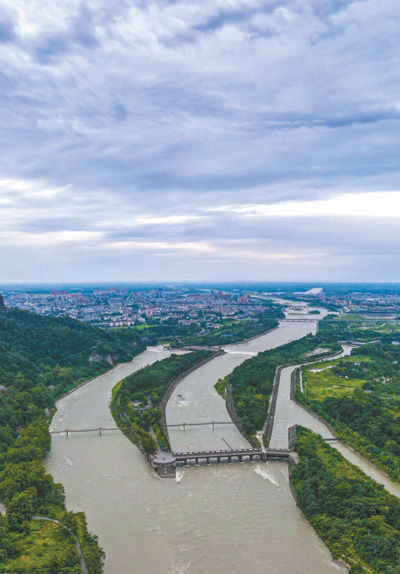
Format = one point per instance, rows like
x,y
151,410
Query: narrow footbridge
x,y
213,424
98,430
300,320
221,456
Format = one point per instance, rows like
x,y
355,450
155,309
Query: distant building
x,y
2,306
314,292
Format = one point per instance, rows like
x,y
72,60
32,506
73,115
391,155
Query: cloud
x,y
373,204
227,138
7,32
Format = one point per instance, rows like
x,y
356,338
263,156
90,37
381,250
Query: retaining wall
x,y
272,405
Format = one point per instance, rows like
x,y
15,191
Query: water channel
x,y
222,519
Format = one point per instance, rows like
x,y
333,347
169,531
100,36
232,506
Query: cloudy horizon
x,y
233,140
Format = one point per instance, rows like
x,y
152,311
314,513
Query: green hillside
x,y
40,359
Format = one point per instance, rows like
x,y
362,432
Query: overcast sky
x,y
218,140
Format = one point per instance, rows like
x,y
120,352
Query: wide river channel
x,y
213,519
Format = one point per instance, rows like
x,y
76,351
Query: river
x,y
221,519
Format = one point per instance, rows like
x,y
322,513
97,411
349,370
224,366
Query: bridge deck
x,y
240,453
210,423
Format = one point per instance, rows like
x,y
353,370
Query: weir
x,y
166,463
222,456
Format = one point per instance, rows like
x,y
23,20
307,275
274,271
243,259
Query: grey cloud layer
x,y
139,110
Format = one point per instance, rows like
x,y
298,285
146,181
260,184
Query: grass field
x,y
322,380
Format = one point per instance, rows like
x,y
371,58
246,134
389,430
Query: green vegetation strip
x,y
41,358
359,396
136,400
357,518
252,381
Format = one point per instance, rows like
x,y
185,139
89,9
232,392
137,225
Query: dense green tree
x,y
356,517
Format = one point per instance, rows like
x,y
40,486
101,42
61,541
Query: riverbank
x,y
354,515
41,358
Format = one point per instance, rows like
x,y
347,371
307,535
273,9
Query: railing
x,y
233,452
213,423
97,429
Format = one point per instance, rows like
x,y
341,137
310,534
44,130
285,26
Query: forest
x,y
356,517
40,359
360,397
136,400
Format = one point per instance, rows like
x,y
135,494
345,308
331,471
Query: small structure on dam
x,y
164,463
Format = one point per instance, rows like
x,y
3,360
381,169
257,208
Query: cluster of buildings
x,y
375,302
117,307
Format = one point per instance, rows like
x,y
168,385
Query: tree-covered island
x,y
136,399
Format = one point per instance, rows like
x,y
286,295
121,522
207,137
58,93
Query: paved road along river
x,y
225,519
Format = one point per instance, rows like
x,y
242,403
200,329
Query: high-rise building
x,y
2,306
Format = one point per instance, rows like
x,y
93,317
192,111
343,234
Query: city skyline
x,y
229,141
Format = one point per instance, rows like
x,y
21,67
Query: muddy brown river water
x,y
214,519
